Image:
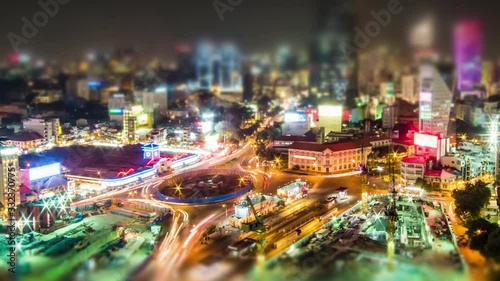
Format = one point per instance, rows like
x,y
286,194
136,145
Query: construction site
x,y
417,245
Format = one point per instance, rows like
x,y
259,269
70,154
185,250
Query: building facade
x,y
435,102
468,44
412,168
328,158
49,129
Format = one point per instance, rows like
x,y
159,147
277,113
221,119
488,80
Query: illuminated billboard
x,y
330,110
294,117
142,119
116,111
44,171
137,109
426,140
212,142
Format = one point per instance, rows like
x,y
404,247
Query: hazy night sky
x,y
152,27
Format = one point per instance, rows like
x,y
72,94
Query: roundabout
x,y
205,186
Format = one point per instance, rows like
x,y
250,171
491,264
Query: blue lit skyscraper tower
x,y
229,76
218,66
204,61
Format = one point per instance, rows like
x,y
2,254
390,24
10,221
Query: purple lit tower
x,y
468,49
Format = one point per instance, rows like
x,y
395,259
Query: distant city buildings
x,y
333,70
468,48
219,67
48,128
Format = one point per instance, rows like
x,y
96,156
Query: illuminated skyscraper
x,y
435,102
468,47
218,66
229,71
204,65
9,177
333,69
129,126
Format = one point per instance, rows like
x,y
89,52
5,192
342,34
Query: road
x,y
298,215
190,222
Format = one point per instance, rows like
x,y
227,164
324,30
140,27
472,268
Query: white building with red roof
x,y
328,158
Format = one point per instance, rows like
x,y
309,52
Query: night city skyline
x,y
158,25
249,140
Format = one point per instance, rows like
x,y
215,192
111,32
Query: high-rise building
x,y
219,66
487,72
185,64
116,104
468,45
409,89
333,68
229,70
129,126
435,100
9,177
78,87
205,65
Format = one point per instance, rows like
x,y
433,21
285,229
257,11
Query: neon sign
x,y
122,174
116,111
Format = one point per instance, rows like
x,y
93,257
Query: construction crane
x,y
259,228
364,171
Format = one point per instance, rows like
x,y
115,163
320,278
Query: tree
x,y
478,231
372,159
471,200
226,130
492,247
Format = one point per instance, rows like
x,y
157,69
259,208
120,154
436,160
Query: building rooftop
x,y
292,185
332,146
26,136
347,145
439,173
296,138
414,160
308,146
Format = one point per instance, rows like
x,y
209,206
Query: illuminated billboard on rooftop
x,y
426,140
294,117
44,171
142,119
330,110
